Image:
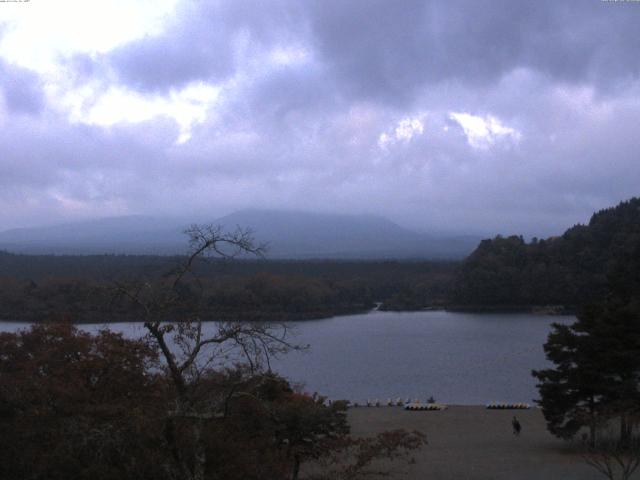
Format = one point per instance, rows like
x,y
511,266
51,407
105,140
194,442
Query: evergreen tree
x,y
571,393
597,373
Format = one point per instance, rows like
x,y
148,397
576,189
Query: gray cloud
x,y
21,89
202,43
389,50
307,133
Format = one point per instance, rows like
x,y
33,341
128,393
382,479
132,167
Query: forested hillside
x,y
569,270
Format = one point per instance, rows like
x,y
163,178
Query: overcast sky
x,y
470,116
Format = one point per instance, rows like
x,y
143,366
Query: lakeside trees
x,y
75,405
597,373
95,407
34,288
596,379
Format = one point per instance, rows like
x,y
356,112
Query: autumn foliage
x,y
74,405
79,406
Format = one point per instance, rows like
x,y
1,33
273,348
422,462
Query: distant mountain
x,y
131,234
289,234
292,234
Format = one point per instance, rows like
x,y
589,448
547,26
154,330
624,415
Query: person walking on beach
x,y
516,426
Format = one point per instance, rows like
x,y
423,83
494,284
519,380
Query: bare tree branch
x,y
165,298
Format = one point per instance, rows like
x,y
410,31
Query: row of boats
x,y
508,406
409,404
424,406
398,402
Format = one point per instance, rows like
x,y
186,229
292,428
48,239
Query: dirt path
x,y
470,442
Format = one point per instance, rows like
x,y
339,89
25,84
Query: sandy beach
x,y
471,442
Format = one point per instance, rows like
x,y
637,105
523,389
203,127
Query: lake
x,y
458,358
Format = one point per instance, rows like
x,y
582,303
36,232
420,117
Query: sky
x,y
467,116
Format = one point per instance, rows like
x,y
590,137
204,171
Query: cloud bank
x,y
466,116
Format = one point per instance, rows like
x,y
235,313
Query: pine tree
x,y
597,373
571,392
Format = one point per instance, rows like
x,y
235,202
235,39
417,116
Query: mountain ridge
x,y
289,234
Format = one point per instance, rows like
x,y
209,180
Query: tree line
x,y
36,288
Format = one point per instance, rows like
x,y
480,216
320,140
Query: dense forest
x,y
558,274
81,288
570,270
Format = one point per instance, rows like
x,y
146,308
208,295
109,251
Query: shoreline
x,y
551,310
285,317
547,310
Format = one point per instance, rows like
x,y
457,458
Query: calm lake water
x,y
458,358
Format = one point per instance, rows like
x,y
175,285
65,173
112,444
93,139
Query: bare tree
x,y
613,461
170,308
197,355
614,456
